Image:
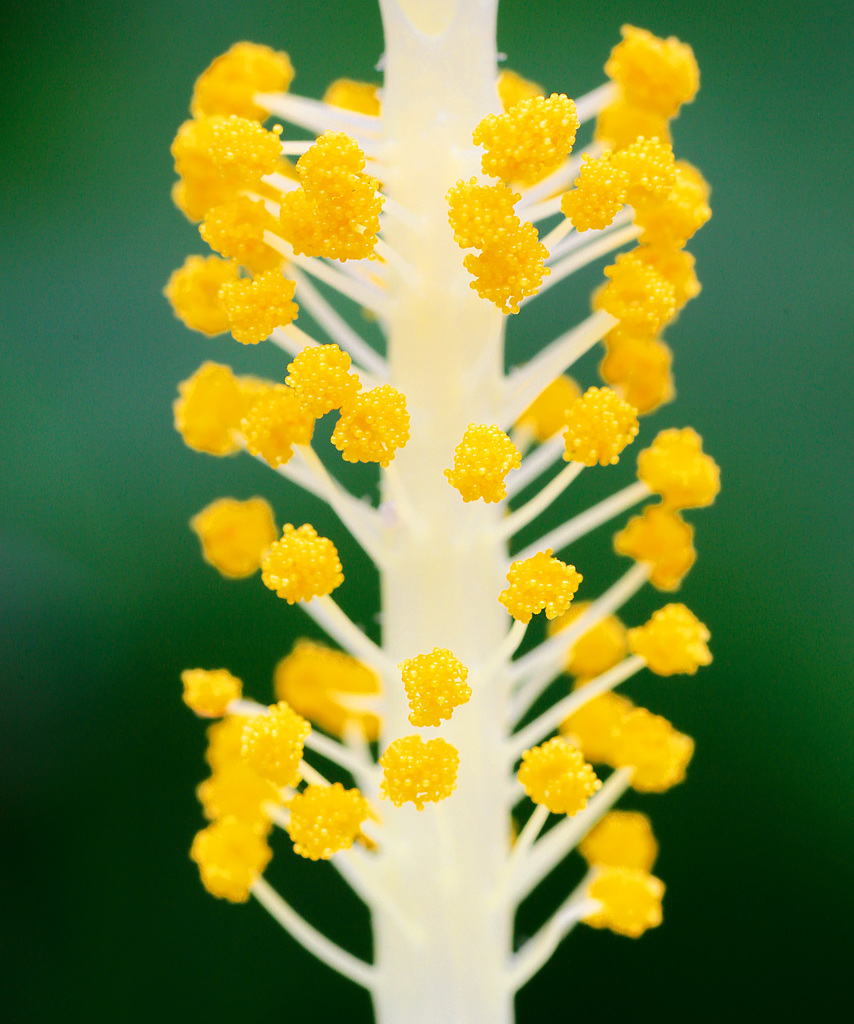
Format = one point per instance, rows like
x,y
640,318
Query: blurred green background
x,y
105,598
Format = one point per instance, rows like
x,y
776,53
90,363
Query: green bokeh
x,y
105,598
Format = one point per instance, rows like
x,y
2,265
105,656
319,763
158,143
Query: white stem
x,y
335,752
587,254
537,950
536,463
580,239
556,235
541,501
317,116
345,632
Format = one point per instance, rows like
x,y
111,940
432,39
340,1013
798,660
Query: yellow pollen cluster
x,y
435,685
208,693
236,230
595,651
556,775
599,193
676,266
482,460
273,743
661,538
630,901
638,368
320,376
620,124
373,425
231,81
325,819
301,565
210,406
600,425
674,640
657,752
274,423
637,294
540,583
513,88
481,215
549,412
256,307
676,467
316,681
193,293
657,75
677,218
235,534
622,839
236,790
225,741
230,854
419,772
530,140
336,211
649,169
361,97
592,726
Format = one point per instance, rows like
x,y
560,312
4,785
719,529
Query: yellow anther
x,y
225,741
595,651
235,790
655,74
362,97
435,685
317,681
236,229
373,425
638,368
235,534
592,726
480,215
673,641
513,88
509,269
209,408
549,412
193,292
336,211
676,266
256,307
230,855
301,565
417,772
630,901
540,583
482,460
620,124
676,467
325,819
637,294
556,775
275,423
672,221
201,185
320,376
600,425
657,752
208,693
661,538
530,140
622,839
649,169
599,193
273,744
230,83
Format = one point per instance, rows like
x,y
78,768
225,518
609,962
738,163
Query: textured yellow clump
x,y
235,534
600,425
530,140
230,854
638,368
480,215
225,741
511,269
556,775
620,124
193,293
231,81
236,790
676,266
418,772
596,650
630,901
325,819
275,423
209,408
208,693
320,376
649,169
677,218
637,294
256,307
236,230
654,74
599,193
362,97
373,425
316,681
622,839
482,460
540,583
301,565
435,685
549,412
676,467
592,726
336,211
273,743
225,154
657,752
661,538
674,640
512,88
